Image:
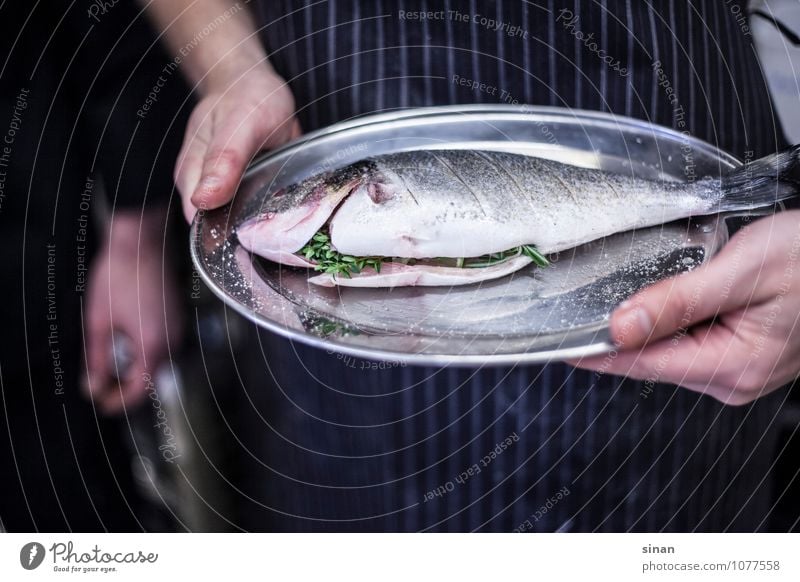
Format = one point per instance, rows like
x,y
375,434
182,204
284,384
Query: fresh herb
x,y
323,327
496,258
492,259
533,253
329,260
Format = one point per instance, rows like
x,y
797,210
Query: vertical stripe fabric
x,y
540,448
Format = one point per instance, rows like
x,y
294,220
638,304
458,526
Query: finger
x,y
709,355
150,350
98,337
188,170
231,148
189,166
128,394
726,283
296,130
726,394
189,210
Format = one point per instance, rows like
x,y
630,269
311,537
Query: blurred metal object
x,y
535,315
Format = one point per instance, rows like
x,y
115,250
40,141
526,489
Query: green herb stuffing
x,y
329,260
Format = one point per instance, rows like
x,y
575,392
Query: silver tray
x,y
533,316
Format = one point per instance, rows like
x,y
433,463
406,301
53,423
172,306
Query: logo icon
x,y
31,555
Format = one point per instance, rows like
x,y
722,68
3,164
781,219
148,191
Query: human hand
x,y
130,292
255,111
741,310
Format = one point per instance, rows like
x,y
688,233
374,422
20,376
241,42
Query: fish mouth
x,y
277,235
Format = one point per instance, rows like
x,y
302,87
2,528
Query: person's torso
x,y
687,65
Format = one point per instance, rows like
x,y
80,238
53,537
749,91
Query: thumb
x,y
295,130
224,164
98,333
719,286
227,157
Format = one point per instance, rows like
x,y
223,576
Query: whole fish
x,y
453,217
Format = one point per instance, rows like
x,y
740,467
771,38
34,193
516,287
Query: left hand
x,y
131,292
729,329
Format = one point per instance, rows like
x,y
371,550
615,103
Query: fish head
x,y
291,215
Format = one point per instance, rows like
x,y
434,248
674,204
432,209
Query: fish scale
x,y
464,203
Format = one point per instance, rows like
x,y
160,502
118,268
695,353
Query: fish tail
x,y
762,182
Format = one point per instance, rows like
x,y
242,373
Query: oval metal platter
x,y
535,315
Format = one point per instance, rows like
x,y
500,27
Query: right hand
x,y
226,129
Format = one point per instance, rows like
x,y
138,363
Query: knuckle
x,y
672,306
750,382
224,159
738,398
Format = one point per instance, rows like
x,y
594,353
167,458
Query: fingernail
x,y
210,183
635,321
205,188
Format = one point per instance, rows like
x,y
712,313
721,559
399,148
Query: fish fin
x,y
762,182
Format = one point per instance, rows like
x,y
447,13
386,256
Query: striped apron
x,y
339,445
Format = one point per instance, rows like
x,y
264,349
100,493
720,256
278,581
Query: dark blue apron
x,y
342,446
